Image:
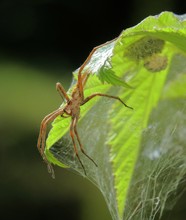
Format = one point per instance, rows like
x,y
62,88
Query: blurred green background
x,y
41,43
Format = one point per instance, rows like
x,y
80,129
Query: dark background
x,y
42,42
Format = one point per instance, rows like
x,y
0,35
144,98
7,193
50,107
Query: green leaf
x,y
140,153
107,75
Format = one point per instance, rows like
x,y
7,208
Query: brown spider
x,y
71,109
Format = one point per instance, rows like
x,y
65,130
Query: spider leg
x,y
39,140
81,146
105,95
43,127
42,136
90,55
80,79
74,143
85,77
62,91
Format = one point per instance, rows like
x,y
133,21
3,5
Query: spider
x,y
72,109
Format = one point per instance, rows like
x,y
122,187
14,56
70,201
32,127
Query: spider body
x,y
71,109
73,106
